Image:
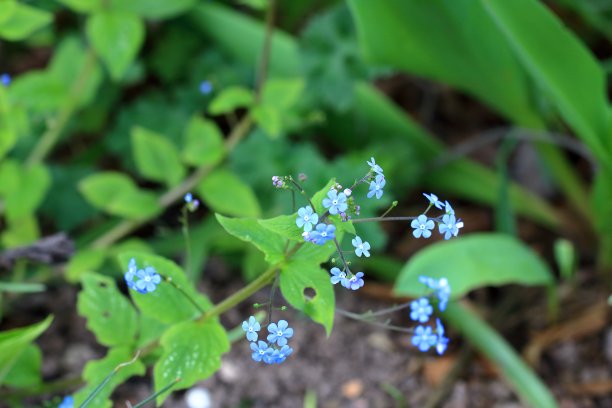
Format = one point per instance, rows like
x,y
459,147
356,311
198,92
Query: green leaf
x,y
474,261
7,8
307,288
26,190
117,37
249,230
95,373
20,232
166,304
156,157
230,99
117,194
26,370
8,128
109,314
282,94
192,352
269,119
225,193
154,9
83,6
23,21
14,342
284,226
203,143
85,260
317,199
39,91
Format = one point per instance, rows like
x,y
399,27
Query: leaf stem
x,y
186,295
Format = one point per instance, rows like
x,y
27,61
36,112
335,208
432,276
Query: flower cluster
x,y
348,280
276,350
141,280
421,310
191,203
448,224
278,182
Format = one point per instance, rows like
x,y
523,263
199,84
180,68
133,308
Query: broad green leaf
x,y
249,230
83,6
154,9
167,304
85,260
474,261
8,130
7,8
192,352
26,370
96,371
39,91
269,119
117,37
577,86
150,330
203,143
24,197
230,99
156,157
307,288
20,232
117,194
110,315
14,342
23,21
225,193
284,226
282,94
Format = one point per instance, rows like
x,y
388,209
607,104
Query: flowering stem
x,y
379,219
271,302
302,191
189,298
365,319
392,206
341,255
185,229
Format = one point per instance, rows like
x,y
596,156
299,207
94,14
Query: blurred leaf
x,y
14,342
269,119
192,352
474,261
117,194
566,258
110,315
8,130
7,8
116,36
203,143
26,372
282,94
225,193
39,91
307,288
154,9
23,21
230,99
156,157
20,232
21,287
83,6
28,187
85,260
96,371
166,304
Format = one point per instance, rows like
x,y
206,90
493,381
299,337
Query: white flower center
x,y
306,218
147,278
334,202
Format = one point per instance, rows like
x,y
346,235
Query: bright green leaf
x,y
83,6
203,143
26,370
156,157
20,232
32,185
23,21
284,226
109,314
225,193
307,288
192,352
85,260
282,93
117,37
39,91
230,99
7,8
154,9
269,119
474,261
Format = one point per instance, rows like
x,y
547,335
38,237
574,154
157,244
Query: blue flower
x,y
306,218
361,248
433,200
279,333
67,402
322,233
338,276
283,353
422,226
260,350
206,87
6,81
441,287
277,182
148,279
420,310
423,338
376,186
448,209
335,202
355,282
448,226
188,198
271,356
131,274
375,167
442,341
251,328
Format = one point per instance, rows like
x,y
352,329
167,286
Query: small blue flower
x,y
441,287
6,81
422,226
423,338
448,226
420,310
355,282
306,218
279,333
277,182
375,167
321,234
188,198
361,248
206,87
260,350
448,209
433,200
338,276
335,202
271,356
251,328
376,186
442,341
283,353
148,279
67,402
131,274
